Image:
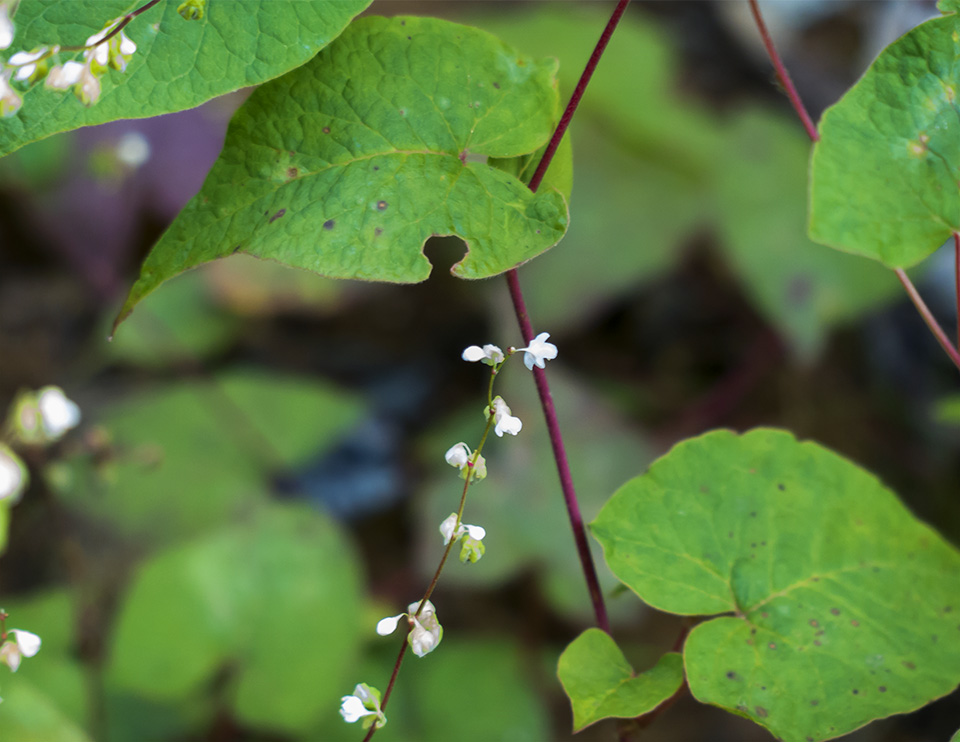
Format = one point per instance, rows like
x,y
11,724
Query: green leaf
x,y
30,716
884,174
802,287
844,607
178,64
956,736
601,684
948,409
348,164
948,6
243,427
274,600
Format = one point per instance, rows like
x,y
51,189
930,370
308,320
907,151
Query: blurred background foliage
x,y
259,474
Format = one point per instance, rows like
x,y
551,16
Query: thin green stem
x,y
443,561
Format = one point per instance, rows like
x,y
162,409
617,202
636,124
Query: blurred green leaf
x,y
601,684
884,174
30,716
520,503
629,220
181,324
948,409
347,165
844,605
477,690
177,65
54,671
802,287
271,603
200,453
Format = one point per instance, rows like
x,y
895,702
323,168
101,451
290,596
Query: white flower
x,y
6,27
26,62
65,76
13,475
19,644
446,530
365,702
88,87
539,351
488,354
58,414
10,100
115,52
459,456
425,632
504,421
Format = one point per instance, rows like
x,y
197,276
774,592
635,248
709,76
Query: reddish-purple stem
x,y
782,75
928,318
526,330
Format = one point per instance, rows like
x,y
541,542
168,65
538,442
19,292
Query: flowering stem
x,y
443,560
526,330
116,29
925,313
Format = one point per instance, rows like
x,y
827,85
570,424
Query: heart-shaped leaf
x,y
844,608
601,684
348,164
178,64
885,172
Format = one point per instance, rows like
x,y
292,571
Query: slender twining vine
x,y
952,351
810,600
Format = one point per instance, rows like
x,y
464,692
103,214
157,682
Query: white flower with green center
x,y
488,354
18,644
363,704
460,457
425,630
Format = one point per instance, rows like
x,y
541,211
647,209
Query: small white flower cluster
x,y
425,634
99,54
16,645
36,418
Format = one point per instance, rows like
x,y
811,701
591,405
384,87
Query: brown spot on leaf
x,y
772,645
376,233
835,611
882,689
496,85
277,215
781,487
909,665
382,205
854,622
329,224
815,702
856,692
761,712
292,173
731,675
814,622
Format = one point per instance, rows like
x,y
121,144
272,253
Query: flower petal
x,y
28,642
352,709
386,626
